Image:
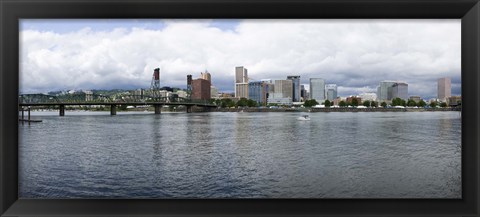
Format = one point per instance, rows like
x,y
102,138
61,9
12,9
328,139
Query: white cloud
x,y
352,53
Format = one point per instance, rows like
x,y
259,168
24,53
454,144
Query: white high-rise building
x,y
330,91
400,90
241,82
444,89
384,90
284,87
317,89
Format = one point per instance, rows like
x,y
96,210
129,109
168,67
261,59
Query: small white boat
x,y
304,118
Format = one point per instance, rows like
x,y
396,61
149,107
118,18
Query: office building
x,y
384,90
201,89
206,76
213,92
280,92
280,101
241,82
400,90
330,91
454,100
351,98
258,91
303,93
241,91
444,89
295,87
181,93
317,89
416,99
284,87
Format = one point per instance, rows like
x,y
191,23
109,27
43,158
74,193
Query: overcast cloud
x,y
354,54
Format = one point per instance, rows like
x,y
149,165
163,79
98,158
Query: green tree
x,y
443,104
384,104
366,103
354,102
373,104
342,104
421,103
433,104
242,102
327,103
411,103
310,103
396,102
226,103
251,103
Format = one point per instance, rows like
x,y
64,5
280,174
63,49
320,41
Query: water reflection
x,y
242,155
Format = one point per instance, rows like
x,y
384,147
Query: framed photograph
x,y
245,108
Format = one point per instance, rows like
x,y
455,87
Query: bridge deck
x,y
117,103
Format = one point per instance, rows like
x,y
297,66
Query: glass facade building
x,y
384,90
258,91
331,91
295,87
317,89
400,90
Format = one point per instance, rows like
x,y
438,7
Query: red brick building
x,y
350,99
200,89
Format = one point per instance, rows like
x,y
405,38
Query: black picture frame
x,y
466,10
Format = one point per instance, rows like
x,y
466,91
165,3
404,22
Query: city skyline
x,y
354,54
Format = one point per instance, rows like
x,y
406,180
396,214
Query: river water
x,y
241,155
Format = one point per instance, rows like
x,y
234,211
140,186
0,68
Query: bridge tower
x,y
155,86
189,87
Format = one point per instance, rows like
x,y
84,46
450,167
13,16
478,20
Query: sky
x,y
65,54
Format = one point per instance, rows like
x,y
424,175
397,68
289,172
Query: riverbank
x,y
202,109
335,109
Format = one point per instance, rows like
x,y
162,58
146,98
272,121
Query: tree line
x,y
244,102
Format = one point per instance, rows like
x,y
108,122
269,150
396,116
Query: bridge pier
x,y
189,109
61,111
158,109
113,110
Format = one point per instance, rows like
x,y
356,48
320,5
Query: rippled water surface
x,y
241,155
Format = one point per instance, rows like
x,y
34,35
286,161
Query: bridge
x,y
82,99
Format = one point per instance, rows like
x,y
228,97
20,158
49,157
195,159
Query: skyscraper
x,y
384,90
269,87
331,91
201,89
285,88
206,76
258,91
296,87
444,89
241,82
317,89
303,92
400,90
